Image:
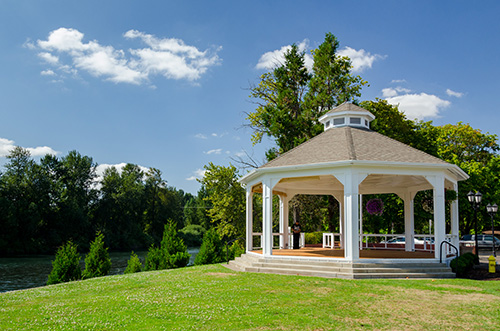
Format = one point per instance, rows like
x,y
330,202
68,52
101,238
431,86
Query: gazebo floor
x,y
339,253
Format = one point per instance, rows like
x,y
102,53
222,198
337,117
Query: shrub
x,y
192,235
154,259
172,252
211,250
463,264
66,266
97,261
133,265
314,238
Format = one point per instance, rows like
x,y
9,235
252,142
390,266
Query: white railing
x,y
329,240
422,242
450,250
302,240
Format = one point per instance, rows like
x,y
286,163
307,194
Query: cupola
x,y
347,114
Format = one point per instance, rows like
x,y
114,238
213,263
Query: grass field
x,y
215,298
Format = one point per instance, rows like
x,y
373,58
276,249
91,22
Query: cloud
x,y
7,145
101,168
360,59
419,106
214,151
276,58
201,136
66,50
454,94
398,81
392,92
198,174
47,72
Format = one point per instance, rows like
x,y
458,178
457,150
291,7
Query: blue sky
x,y
165,84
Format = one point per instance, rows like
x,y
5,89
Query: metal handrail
x,y
227,243
441,249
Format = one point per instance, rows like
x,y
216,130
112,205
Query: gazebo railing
x,y
329,240
382,241
302,240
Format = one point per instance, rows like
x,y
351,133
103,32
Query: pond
x,y
19,273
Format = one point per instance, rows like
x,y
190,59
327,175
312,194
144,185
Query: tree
x,y
66,266
227,199
97,261
133,265
172,252
290,100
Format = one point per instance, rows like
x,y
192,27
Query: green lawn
x,y
215,298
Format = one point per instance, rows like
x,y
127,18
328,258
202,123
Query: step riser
x,y
339,269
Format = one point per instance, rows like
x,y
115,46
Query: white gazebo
x,y
347,161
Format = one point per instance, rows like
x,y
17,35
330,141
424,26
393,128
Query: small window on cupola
x,y
338,121
355,120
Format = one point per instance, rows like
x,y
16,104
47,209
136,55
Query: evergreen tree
x,y
97,261
133,264
66,266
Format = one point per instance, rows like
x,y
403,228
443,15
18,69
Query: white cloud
x,y
276,58
198,174
119,167
201,136
419,106
214,151
454,94
170,57
391,92
48,72
49,58
398,81
7,145
360,59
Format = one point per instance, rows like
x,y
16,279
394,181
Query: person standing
x,y
296,234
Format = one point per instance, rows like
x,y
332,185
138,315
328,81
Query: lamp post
x,y
492,210
475,201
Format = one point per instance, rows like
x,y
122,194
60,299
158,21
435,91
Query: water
x,y
32,271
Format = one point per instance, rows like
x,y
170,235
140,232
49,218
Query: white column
x,y
340,200
455,219
439,215
409,221
351,216
267,222
249,217
360,221
284,241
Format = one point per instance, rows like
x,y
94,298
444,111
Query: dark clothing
x,y
296,228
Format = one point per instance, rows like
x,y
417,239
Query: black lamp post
x,y
475,201
492,210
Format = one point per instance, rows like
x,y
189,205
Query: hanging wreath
x,y
375,207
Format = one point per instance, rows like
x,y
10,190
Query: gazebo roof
x,y
351,144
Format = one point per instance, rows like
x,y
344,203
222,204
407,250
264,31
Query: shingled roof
x,y
350,143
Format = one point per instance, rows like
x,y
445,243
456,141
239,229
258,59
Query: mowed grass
x,y
215,298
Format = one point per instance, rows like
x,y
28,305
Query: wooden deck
x,y
339,253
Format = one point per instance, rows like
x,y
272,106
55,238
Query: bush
x,y
97,261
66,266
463,264
314,238
192,235
133,265
172,252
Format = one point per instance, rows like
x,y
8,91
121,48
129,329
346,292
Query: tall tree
x,y
227,199
290,99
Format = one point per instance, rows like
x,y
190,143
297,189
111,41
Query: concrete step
x,y
332,269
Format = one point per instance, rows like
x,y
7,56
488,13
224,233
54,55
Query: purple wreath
x,y
375,207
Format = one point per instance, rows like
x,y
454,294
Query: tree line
x,y
46,203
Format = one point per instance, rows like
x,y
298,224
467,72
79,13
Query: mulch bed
x,y
481,272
